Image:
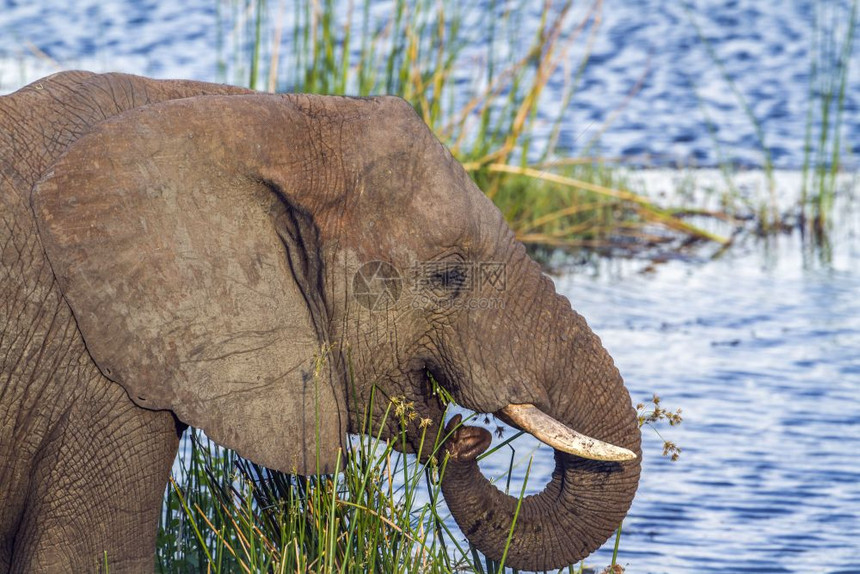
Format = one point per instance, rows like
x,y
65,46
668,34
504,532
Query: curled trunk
x,y
585,500
576,512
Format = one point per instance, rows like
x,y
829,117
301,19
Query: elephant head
x,y
261,264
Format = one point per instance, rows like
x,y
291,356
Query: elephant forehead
x,y
408,203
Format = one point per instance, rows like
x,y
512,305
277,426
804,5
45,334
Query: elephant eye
x,y
443,279
452,278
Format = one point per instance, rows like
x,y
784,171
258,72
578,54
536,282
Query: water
x,y
759,347
650,88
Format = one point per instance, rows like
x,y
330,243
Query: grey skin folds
x,y
175,253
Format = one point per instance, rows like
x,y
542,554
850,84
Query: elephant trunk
x,y
585,500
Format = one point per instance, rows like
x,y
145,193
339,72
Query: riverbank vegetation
x,y
479,79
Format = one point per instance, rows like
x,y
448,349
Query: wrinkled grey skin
x,y
180,253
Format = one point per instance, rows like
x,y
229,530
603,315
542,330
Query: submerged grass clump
x,y
830,51
830,57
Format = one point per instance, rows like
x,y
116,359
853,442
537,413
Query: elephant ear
x,y
195,285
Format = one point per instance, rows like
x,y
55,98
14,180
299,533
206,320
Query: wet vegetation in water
x,y
383,513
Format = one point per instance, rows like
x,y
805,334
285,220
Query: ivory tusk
x,y
550,431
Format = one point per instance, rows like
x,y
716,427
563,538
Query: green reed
x,y
378,513
830,50
830,58
226,514
480,88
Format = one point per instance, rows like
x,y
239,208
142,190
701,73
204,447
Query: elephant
x,y
180,253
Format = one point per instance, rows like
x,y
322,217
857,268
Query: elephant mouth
x,y
550,431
